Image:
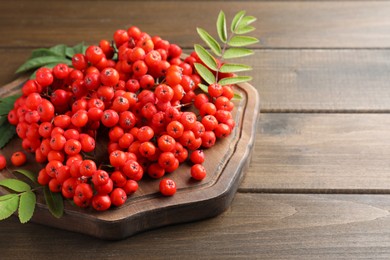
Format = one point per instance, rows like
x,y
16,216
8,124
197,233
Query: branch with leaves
x,y
230,45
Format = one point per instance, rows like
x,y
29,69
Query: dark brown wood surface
x,y
322,151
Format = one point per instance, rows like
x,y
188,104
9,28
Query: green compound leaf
x,y
27,204
240,41
234,80
41,61
15,185
206,57
7,132
28,174
203,87
229,67
221,27
236,53
54,201
8,205
205,73
210,41
236,20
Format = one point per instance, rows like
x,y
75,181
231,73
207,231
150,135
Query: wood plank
x,y
269,226
282,24
322,80
344,153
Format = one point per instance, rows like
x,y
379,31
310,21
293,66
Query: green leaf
x,y
210,41
206,57
237,96
246,20
28,174
205,73
203,87
41,52
228,67
240,41
41,61
15,185
234,80
236,20
54,201
7,104
78,48
27,206
236,53
7,132
50,66
221,26
245,29
8,205
59,49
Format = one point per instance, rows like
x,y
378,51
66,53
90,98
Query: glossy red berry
x,y
167,187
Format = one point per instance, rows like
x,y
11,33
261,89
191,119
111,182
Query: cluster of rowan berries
x,y
138,91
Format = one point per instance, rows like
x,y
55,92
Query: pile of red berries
x,y
138,91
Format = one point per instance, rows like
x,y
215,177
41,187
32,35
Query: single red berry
x,y
101,202
197,157
3,162
198,172
118,197
18,158
130,187
167,187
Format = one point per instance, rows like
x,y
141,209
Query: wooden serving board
x,y
225,163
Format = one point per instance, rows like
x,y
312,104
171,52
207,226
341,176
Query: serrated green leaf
x,y
221,26
27,204
240,41
28,174
210,41
59,49
203,87
54,201
236,53
245,29
228,67
41,52
205,73
236,20
234,80
237,96
50,66
7,132
206,57
15,185
9,205
41,61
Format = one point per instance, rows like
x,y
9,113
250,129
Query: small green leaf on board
x,y
59,49
234,80
54,201
27,204
221,27
7,104
41,52
206,57
8,205
15,185
7,132
205,73
237,96
210,41
28,174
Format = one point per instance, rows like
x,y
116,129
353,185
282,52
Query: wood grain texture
x,y
325,153
282,24
265,226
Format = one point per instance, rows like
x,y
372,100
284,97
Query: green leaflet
x,y
206,57
7,104
234,80
7,132
210,41
41,61
240,41
229,67
236,20
245,29
15,185
8,205
236,53
203,87
205,73
54,201
41,52
221,27
59,49
27,204
28,174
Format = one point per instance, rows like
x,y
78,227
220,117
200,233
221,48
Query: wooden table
x,y
319,179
